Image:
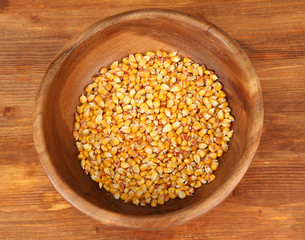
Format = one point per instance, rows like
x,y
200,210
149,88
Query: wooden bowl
x,y
114,38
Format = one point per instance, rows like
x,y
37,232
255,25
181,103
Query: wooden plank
x,y
270,200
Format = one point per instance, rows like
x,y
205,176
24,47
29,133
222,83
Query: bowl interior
x,y
137,33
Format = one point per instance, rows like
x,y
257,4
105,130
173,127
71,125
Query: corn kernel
x,y
156,123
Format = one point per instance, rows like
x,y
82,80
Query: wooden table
x,y
269,203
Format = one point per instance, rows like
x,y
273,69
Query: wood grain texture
x,y
270,199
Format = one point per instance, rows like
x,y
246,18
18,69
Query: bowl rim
x,y
119,219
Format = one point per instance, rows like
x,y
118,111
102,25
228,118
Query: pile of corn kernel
x,y
152,127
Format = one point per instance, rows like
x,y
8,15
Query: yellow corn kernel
x,y
155,116
197,126
211,178
219,152
162,96
83,99
125,129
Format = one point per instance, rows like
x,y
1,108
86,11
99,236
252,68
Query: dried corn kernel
x,y
152,128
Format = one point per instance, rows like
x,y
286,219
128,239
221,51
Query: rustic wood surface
x,y
269,203
54,112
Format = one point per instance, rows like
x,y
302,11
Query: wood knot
x,y
4,4
259,212
34,18
9,112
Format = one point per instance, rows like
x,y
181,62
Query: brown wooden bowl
x,y
112,39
